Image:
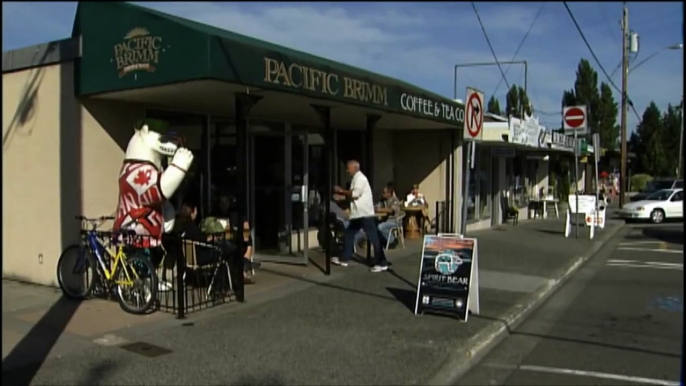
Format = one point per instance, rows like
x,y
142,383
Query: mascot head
x,y
149,145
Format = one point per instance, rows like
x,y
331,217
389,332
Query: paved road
x,y
618,321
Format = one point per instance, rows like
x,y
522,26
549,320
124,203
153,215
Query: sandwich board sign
x,y
448,280
587,207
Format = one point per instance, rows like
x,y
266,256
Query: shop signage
x,y
302,77
561,141
448,277
140,51
503,152
524,131
431,108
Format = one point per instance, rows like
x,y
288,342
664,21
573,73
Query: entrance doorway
x,y
278,194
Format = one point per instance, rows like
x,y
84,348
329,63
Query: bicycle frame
x,y
97,247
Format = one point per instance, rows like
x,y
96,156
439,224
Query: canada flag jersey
x,y
141,200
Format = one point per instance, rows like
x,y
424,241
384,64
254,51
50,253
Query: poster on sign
x,y
586,208
448,276
586,204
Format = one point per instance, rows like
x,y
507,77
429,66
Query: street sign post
x,y
474,115
473,132
575,120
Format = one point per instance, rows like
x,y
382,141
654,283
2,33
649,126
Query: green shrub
x,y
639,182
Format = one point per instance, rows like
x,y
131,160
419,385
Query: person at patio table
x,y
186,227
362,216
415,198
390,205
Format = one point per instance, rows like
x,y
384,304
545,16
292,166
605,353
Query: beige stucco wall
x,y
383,159
43,141
420,157
30,173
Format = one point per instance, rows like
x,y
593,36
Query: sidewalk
x,y
354,327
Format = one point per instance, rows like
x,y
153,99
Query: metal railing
x,y
192,276
442,217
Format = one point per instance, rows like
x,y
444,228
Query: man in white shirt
x,y
361,217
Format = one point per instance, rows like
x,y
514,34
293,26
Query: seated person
x,y
392,188
391,206
342,215
415,198
186,227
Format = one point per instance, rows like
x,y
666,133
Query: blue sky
x,y
420,42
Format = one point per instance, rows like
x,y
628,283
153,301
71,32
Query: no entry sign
x,y
473,115
575,118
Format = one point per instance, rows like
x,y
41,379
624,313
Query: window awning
x,y
125,46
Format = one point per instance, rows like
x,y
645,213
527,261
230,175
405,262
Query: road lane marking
x,y
643,266
595,374
646,262
582,373
638,243
651,250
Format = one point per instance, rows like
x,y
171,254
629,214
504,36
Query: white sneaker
x,y
337,261
379,268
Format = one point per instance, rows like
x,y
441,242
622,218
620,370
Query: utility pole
x,y
623,183
679,168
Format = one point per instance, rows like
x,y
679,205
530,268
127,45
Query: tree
x,y
493,106
517,102
648,143
606,113
671,122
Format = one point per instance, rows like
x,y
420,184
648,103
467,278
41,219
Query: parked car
x,y
655,185
661,205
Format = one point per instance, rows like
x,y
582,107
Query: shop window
x,y
518,191
484,178
472,197
190,127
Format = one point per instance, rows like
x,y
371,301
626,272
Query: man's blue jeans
x,y
385,229
360,234
369,226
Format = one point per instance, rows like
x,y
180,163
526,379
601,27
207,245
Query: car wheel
x,y
657,216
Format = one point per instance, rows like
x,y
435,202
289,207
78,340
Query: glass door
x,y
278,193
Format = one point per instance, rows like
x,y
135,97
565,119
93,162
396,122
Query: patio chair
x,y
398,231
201,256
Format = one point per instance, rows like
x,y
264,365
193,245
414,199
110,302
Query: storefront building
x,y
269,126
513,165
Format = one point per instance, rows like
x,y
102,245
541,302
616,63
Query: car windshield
x,y
654,186
660,195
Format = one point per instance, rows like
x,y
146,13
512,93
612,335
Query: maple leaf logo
x,y
142,178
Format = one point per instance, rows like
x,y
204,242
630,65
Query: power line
x,y
489,45
609,79
520,46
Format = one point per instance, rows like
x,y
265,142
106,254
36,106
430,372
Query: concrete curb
x,y
469,354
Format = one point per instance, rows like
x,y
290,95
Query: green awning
x,y
125,46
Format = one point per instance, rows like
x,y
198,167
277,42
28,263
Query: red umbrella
x,y
604,174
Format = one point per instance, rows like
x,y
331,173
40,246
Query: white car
x,y
665,203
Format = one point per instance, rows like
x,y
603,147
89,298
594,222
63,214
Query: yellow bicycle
x,y
131,276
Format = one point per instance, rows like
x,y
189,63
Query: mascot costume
x,y
144,186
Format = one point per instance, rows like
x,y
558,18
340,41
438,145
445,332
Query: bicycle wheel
x,y
76,272
139,293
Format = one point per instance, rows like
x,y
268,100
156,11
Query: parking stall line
x,y
651,250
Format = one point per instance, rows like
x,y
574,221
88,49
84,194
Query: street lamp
x,y
672,47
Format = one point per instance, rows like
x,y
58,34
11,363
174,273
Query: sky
x,y
421,42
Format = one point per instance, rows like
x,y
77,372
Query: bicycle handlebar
x,y
101,218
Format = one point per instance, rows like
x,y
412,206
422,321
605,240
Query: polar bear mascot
x,y
144,186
